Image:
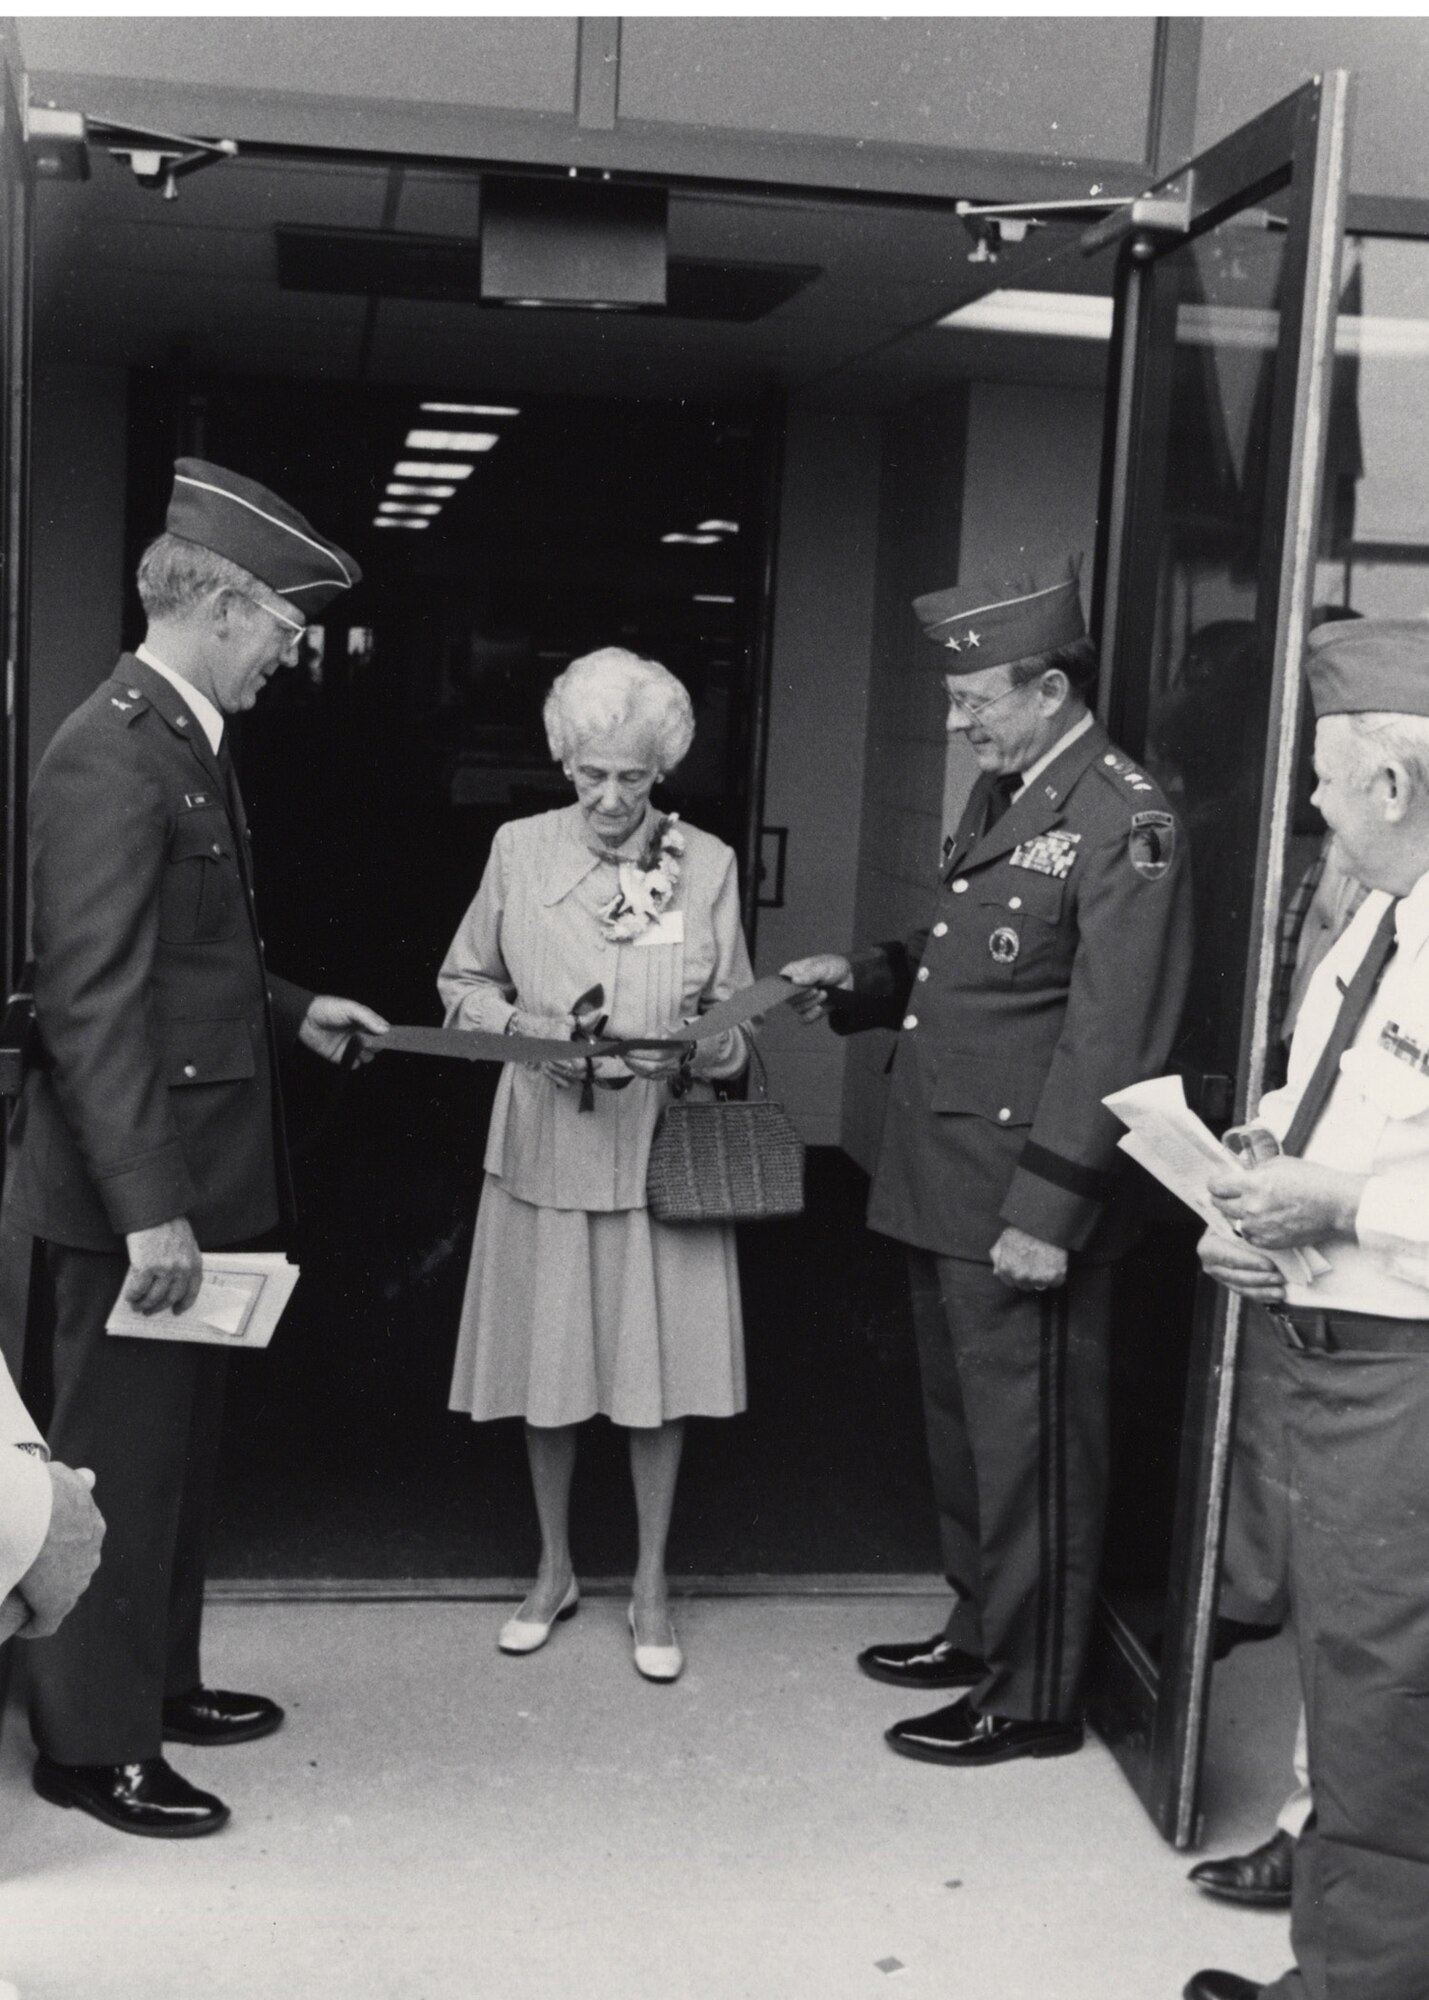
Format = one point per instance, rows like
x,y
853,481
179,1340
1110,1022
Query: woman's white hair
x,y
614,689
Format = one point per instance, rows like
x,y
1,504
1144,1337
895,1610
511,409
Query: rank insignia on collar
x,y
1152,843
1047,854
123,706
1004,944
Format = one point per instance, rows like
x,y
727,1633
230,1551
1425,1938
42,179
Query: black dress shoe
x,y
1220,1986
1228,1634
215,1715
1261,1878
148,1797
959,1734
923,1663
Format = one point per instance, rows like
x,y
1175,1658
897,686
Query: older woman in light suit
x,y
578,1302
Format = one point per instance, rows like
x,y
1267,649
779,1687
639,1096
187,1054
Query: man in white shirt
x,y
50,1528
1352,1179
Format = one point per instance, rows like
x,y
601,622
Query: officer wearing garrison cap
x,y
1344,1151
150,1127
1052,970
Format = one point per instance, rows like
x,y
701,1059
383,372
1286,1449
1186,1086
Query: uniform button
x,y
940,930
181,722
190,1069
1110,757
960,886
910,1020
1014,902
922,972
136,694
1004,1115
216,848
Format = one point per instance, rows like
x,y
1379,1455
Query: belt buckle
x,y
1286,1327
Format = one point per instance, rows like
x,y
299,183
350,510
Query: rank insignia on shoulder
x,y
1403,1047
1123,768
1047,854
1152,843
1004,944
123,706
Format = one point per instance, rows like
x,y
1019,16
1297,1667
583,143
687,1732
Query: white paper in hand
x,y
239,1303
1165,1136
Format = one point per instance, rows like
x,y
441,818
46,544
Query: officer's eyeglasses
x,y
971,710
292,624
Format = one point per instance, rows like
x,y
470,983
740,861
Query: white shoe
x,y
529,1635
656,1663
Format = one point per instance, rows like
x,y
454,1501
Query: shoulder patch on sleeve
x,y
1151,844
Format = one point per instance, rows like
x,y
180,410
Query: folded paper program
x,y
1167,1138
474,1045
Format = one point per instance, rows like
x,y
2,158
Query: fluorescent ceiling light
x,y
699,541
719,527
409,507
422,468
471,409
706,597
1075,316
1063,315
409,489
398,521
450,440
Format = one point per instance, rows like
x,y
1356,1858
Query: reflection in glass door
x,y
1220,397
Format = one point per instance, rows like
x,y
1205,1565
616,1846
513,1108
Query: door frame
x,y
16,243
1155,1716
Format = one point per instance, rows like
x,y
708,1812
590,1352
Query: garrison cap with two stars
x,y
1365,665
238,518
993,624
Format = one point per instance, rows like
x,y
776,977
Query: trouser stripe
x,y
1058,1582
1044,1506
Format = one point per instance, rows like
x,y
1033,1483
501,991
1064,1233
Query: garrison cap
x,y
993,624
1369,664
238,518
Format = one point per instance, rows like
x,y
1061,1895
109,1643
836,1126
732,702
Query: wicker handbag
x,y
723,1160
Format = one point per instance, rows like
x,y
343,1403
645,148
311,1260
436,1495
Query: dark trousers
x,y
1016,1404
1357,1435
145,1416
1255,1569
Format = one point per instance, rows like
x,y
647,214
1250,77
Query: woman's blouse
x,y
532,939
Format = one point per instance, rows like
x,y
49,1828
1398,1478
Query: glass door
x,y
15,215
1218,412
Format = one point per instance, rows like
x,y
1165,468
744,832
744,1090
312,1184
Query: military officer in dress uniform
x,y
151,1126
1053,970
1344,1167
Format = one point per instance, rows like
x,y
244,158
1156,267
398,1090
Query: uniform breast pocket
x,y
199,897
1022,913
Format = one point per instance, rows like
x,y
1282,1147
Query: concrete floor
x,y
437,1822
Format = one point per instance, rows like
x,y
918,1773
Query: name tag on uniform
x,y
1047,854
668,929
1403,1047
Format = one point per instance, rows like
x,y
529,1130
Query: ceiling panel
x,y
123,277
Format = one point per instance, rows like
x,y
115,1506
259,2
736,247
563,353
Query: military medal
x,y
1004,944
1047,854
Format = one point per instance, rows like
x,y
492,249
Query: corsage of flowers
x,y
647,884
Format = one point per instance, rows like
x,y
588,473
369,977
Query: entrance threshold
x,y
501,1589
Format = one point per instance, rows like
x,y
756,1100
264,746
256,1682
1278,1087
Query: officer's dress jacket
x,y
1053,970
156,1094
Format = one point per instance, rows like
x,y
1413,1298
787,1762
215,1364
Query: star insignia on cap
x,y
953,645
974,639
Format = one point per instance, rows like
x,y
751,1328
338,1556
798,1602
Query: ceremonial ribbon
x,y
479,1045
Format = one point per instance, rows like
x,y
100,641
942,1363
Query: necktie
x,y
1000,798
1353,1009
